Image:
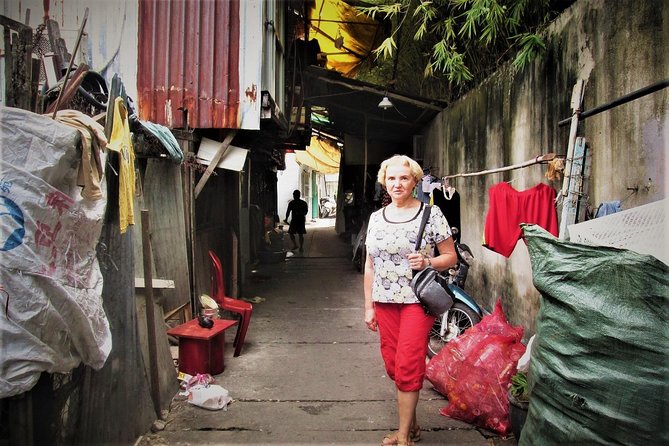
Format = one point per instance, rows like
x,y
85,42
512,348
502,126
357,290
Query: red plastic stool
x,y
201,350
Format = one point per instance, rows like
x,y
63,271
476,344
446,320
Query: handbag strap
x,y
421,228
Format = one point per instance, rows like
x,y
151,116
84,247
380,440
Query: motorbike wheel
x,y
458,319
360,260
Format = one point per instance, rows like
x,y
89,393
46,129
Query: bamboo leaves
x,y
386,49
466,38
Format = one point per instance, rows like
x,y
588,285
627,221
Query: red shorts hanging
x,y
509,208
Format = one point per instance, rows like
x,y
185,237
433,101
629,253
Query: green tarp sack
x,y
599,364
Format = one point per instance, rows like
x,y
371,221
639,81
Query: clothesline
x,y
536,160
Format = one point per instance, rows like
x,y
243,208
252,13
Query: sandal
x,y
414,434
396,442
391,438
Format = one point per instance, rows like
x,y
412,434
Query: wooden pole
x,y
536,160
214,161
150,316
364,176
579,172
397,96
234,273
576,100
69,66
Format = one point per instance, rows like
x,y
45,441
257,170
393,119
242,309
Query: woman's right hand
x,y
418,261
370,319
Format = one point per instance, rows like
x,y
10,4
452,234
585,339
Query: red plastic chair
x,y
228,303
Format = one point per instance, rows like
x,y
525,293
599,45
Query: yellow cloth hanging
x,y
120,141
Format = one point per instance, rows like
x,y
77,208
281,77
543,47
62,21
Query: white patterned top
x,y
388,244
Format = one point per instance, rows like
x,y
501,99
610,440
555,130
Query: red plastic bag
x,y
474,372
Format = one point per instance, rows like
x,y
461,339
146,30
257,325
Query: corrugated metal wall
x,y
188,59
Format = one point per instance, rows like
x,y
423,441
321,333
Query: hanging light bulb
x,y
385,103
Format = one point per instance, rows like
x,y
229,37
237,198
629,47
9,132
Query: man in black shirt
x,y
299,209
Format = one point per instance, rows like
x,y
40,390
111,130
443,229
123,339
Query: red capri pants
x,y
404,330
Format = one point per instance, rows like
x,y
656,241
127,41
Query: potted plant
x,y
518,402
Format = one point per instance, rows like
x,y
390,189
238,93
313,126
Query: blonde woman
x,y
390,305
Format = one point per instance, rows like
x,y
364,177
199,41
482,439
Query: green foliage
x,y
465,40
386,49
388,11
451,62
519,386
530,46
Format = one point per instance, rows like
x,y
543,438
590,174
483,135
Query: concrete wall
x,y
514,116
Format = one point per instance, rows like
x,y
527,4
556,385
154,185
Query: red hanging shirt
x,y
508,208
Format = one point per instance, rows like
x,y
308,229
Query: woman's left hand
x,y
417,261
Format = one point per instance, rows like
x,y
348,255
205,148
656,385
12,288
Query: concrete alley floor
x,y
310,371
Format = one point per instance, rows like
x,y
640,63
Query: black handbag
x,y
430,287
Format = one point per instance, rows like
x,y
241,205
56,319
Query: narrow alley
x,y
310,371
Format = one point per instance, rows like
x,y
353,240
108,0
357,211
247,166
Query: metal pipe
x,y
621,100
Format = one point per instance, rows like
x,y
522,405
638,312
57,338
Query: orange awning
x,y
345,35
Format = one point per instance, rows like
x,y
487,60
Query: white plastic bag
x,y
54,319
524,361
212,397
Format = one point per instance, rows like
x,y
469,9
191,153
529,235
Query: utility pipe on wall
x,y
621,100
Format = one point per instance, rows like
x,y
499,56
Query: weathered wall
x,y
108,46
514,117
162,195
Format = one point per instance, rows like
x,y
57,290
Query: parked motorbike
x,y
327,207
465,312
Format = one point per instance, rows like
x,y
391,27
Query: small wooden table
x,y
201,350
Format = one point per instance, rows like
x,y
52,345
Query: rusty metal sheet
x,y
188,63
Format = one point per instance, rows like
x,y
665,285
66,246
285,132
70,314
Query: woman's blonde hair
x,y
403,160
